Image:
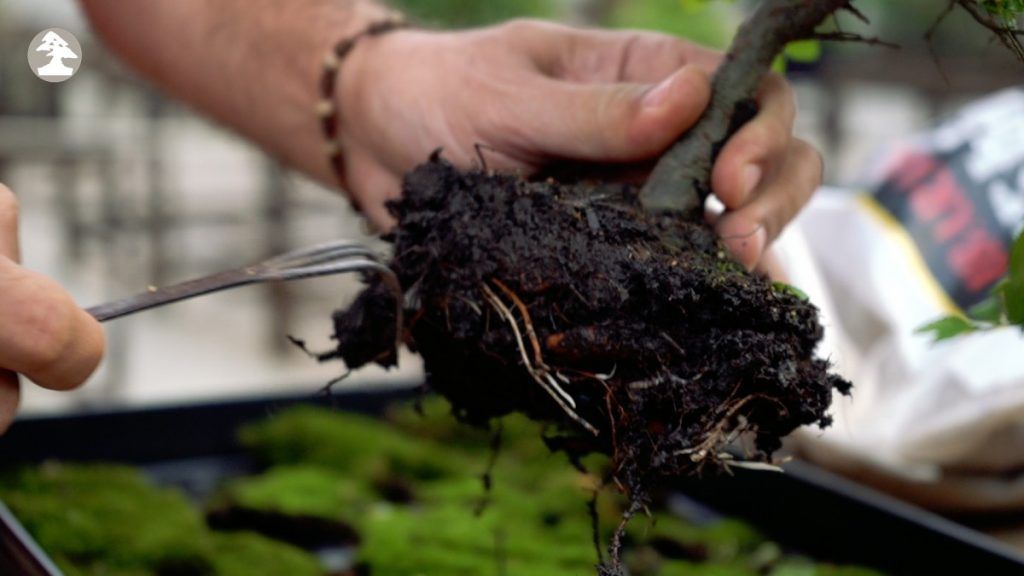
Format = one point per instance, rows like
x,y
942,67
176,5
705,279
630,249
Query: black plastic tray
x,y
806,508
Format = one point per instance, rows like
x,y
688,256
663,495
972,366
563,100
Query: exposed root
x,y
729,461
538,359
328,388
614,565
540,373
487,478
595,525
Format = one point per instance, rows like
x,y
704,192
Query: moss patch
x,y
108,520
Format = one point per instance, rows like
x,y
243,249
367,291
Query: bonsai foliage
x,y
1000,16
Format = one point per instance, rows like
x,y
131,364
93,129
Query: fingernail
x,y
751,178
760,243
746,246
659,94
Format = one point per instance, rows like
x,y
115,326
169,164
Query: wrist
x,y
343,73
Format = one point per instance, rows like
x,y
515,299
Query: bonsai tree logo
x,y
54,55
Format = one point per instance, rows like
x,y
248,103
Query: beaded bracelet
x,y
326,109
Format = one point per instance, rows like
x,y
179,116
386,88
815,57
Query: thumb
x,y
613,122
45,336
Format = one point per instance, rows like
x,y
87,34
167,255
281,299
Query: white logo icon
x,y
55,55
57,49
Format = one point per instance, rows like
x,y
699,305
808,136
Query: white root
x,y
554,385
541,376
729,462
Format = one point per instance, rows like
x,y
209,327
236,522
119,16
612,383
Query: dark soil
x,y
309,532
664,347
664,344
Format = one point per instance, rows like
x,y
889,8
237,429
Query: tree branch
x,y
682,178
841,36
1010,37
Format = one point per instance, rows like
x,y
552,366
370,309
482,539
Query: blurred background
x,y
122,189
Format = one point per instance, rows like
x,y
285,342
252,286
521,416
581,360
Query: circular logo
x,y
54,55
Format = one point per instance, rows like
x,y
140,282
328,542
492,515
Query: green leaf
x,y
988,310
947,327
1016,272
1006,10
803,51
783,288
1004,306
1013,299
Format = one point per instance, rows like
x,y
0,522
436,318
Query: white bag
x,y
940,423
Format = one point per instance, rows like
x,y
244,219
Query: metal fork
x,y
338,257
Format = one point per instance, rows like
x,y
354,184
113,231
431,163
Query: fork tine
x,y
338,257
339,264
319,253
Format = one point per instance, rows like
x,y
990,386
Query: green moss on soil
x,y
534,521
301,490
450,539
97,519
108,520
100,520
248,554
357,446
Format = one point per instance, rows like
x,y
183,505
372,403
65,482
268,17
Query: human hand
x,y
43,333
537,93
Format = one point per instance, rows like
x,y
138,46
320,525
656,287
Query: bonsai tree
x,y
610,310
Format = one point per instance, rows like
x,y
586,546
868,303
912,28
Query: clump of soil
x,y
635,333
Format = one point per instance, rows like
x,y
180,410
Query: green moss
x,y
795,566
536,500
109,521
452,540
355,445
300,490
98,569
448,532
103,519
783,288
678,568
433,421
723,540
249,554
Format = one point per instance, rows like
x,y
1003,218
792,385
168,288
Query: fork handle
x,y
174,293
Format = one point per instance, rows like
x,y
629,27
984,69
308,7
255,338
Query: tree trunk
x,y
682,178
